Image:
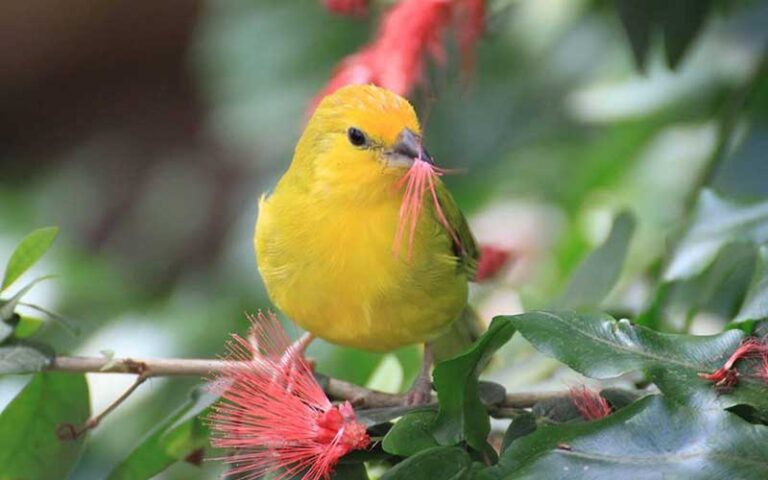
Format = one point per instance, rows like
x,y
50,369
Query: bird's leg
x,y
421,390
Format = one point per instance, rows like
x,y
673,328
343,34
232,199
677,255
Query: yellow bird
x,y
324,237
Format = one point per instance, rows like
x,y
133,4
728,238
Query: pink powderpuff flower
x,y
273,414
590,404
354,8
410,31
419,180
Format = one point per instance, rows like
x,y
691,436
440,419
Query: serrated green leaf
x,y
445,463
181,435
23,358
461,414
600,347
27,253
30,448
411,434
716,222
594,279
652,438
755,306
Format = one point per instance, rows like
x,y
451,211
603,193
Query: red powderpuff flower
x,y
355,8
419,179
491,261
410,31
590,404
274,415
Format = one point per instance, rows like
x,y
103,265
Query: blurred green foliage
x,y
558,130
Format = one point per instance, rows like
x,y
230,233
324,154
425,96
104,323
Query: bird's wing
x,y
464,246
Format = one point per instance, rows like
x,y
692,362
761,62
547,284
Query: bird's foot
x,y
420,393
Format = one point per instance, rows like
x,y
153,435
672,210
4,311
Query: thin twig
x,y
336,389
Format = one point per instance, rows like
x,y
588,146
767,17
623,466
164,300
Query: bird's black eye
x,y
356,137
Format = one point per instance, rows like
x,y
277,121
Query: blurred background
x,y
147,130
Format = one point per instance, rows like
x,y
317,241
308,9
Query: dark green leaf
x,y
461,414
594,279
716,222
681,22
30,448
755,306
23,358
349,471
445,463
182,434
27,253
652,438
522,425
600,347
376,416
638,20
411,434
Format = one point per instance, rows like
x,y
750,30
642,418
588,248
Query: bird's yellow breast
x,y
329,265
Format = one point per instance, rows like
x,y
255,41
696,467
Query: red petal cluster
x,y
727,377
410,32
355,8
492,260
274,415
590,404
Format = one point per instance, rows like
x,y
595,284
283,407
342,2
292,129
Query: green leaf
x,y
445,463
23,358
721,288
652,438
411,434
349,471
716,222
755,306
178,437
594,279
28,326
8,308
600,347
522,425
30,448
681,23
461,414
27,253
638,20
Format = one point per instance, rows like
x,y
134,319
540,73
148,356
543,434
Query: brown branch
x,y
336,389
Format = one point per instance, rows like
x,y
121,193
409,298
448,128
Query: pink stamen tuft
x,y
590,404
274,415
419,179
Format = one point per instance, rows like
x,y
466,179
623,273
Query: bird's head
x,y
359,139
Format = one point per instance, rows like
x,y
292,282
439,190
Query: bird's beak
x,y
407,149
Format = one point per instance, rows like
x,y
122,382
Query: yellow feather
x,y
324,237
